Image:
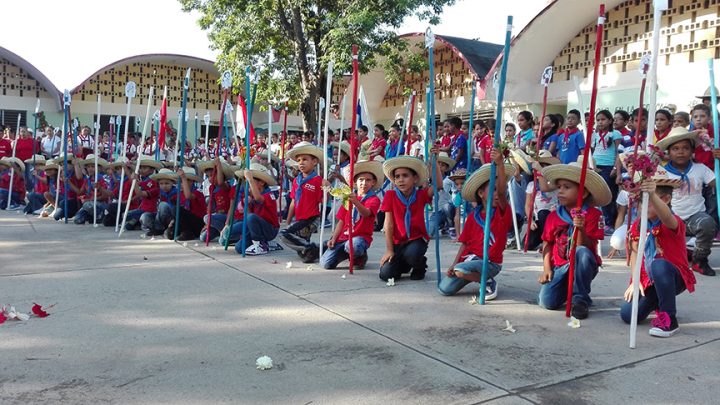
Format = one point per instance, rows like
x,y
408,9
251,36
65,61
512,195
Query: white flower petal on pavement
x,y
390,282
509,327
288,265
343,277
473,300
574,322
264,363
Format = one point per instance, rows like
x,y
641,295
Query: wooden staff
x,y
493,166
352,144
586,154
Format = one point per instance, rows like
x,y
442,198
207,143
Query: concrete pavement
x,y
152,321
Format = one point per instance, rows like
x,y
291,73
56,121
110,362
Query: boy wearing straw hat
x,y
365,205
468,264
558,234
146,191
192,207
443,217
406,238
87,190
262,223
36,198
17,196
664,272
307,195
688,202
155,223
545,199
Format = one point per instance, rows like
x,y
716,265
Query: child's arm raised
x,y
363,210
389,233
185,185
663,211
254,192
501,183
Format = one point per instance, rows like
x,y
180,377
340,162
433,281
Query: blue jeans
x,y
610,210
667,283
341,252
441,219
451,285
85,214
15,198
554,294
407,256
256,229
60,209
159,220
217,223
35,202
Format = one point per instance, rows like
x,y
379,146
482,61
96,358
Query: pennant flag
x,y
243,124
276,112
163,123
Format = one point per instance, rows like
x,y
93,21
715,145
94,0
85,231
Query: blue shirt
x,y
570,147
550,139
605,152
460,143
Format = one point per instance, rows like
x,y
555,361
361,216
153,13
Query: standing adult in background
x,y
50,144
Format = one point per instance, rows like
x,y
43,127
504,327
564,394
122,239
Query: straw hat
x,y
306,148
677,134
374,167
229,170
445,158
458,174
291,163
546,158
90,159
407,162
344,146
480,177
167,163
708,93
522,160
203,165
149,161
258,172
594,183
661,178
191,175
39,160
8,161
165,174
51,165
121,161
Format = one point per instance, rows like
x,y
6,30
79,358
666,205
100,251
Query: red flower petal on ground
x,y
3,318
38,311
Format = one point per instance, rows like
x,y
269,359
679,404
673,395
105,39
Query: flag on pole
x,y
163,123
242,124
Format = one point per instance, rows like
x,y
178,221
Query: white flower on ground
x,y
509,327
342,277
264,363
390,282
473,300
288,265
574,322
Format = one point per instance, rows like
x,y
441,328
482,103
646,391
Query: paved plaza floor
x,y
152,321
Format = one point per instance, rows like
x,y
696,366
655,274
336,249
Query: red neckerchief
x,y
569,131
602,134
659,136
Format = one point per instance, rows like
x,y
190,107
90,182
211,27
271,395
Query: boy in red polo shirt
x,y
262,222
192,207
468,264
118,166
557,235
146,192
307,194
87,191
665,271
365,205
156,223
17,194
406,238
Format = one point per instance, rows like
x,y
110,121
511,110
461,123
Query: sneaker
x,y
691,242
257,249
510,242
452,233
310,254
490,289
170,232
703,268
609,230
417,274
16,207
580,310
185,236
360,262
132,224
664,325
273,246
327,223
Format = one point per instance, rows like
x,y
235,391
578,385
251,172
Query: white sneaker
x,y
273,246
691,242
256,249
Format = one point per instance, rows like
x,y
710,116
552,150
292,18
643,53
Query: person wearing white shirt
x,y
50,143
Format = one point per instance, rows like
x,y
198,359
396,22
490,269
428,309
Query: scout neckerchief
x,y
478,214
407,202
565,216
683,174
566,137
169,196
603,142
300,183
355,212
650,245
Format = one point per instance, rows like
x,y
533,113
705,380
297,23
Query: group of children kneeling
x,y
665,270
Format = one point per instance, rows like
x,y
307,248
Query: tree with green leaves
x,y
294,40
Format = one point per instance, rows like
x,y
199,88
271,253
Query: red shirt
x,y
311,196
446,141
223,196
41,187
379,142
557,237
705,156
125,192
364,226
485,145
472,234
24,148
359,143
267,209
149,203
391,203
195,205
670,245
18,182
89,194
5,148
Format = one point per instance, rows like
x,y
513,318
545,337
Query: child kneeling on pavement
x,y
262,222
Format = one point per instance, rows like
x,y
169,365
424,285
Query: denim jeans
x,y
667,283
407,256
610,210
85,214
297,235
256,229
441,219
15,198
217,223
159,220
35,202
703,228
451,285
554,294
341,252
60,209
535,238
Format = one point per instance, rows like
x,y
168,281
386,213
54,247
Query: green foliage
x,y
295,39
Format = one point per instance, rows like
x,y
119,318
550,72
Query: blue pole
x,y
435,180
248,117
181,152
118,124
197,130
493,168
66,129
157,142
716,124
468,151
427,135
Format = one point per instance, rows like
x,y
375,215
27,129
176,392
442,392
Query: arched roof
x,y
167,58
536,46
34,72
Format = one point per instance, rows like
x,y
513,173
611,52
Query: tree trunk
x,y
309,106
